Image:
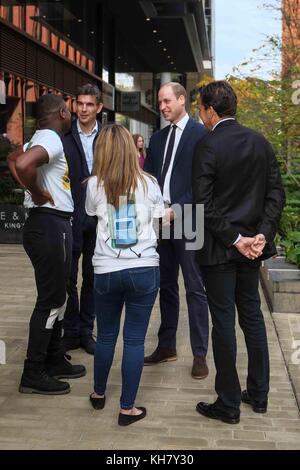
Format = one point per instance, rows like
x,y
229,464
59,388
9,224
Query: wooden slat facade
x,y
23,56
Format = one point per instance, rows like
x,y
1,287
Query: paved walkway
x,y
167,390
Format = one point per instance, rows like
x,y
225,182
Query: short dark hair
x,y
177,88
220,96
48,104
89,89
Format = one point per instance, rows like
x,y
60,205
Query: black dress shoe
x,y
125,420
97,403
257,406
70,342
211,411
61,368
200,369
43,384
88,344
160,355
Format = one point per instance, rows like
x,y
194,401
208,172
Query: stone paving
x,y
167,390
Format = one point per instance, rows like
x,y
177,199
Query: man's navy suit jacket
x,y
78,173
181,177
78,169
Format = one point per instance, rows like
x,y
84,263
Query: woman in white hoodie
x,y
126,264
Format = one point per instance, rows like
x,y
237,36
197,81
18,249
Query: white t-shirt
x,y
54,175
149,205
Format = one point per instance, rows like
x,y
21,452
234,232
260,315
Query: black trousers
x,y
231,285
80,312
173,254
47,240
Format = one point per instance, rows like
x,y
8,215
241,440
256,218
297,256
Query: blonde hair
x,y
115,164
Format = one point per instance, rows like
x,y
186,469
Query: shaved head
x,y
48,104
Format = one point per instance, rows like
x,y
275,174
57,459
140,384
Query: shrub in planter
x,y
292,247
289,231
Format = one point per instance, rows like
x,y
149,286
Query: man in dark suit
x,y
169,159
78,146
237,179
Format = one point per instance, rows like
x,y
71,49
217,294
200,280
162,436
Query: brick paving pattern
x,y
167,390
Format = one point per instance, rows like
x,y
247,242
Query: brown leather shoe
x,y
160,355
200,369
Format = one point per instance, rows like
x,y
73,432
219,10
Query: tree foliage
x,y
272,106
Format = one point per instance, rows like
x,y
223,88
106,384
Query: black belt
x,y
48,210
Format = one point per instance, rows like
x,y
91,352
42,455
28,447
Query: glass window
x,y
4,13
45,36
63,47
17,16
83,61
105,75
71,53
54,41
78,57
30,23
124,81
91,66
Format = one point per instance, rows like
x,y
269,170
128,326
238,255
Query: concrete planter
x,y
281,282
12,220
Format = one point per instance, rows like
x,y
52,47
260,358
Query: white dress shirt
x,y
87,141
223,120
178,134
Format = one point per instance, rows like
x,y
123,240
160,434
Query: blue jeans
x,y
136,288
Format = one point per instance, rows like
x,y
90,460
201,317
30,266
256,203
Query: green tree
x,y
272,107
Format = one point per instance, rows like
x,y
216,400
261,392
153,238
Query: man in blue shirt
x,y
79,146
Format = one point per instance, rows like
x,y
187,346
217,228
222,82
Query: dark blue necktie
x,y
168,158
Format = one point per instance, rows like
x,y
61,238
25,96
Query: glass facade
x,y
60,45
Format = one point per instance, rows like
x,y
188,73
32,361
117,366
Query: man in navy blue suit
x,y
79,146
169,159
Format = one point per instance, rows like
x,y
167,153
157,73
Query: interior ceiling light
x,y
154,31
165,49
147,19
79,20
160,41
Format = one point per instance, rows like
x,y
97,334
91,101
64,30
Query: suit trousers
x,y
80,312
172,256
229,285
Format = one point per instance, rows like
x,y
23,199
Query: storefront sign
x,y
130,101
12,220
108,96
